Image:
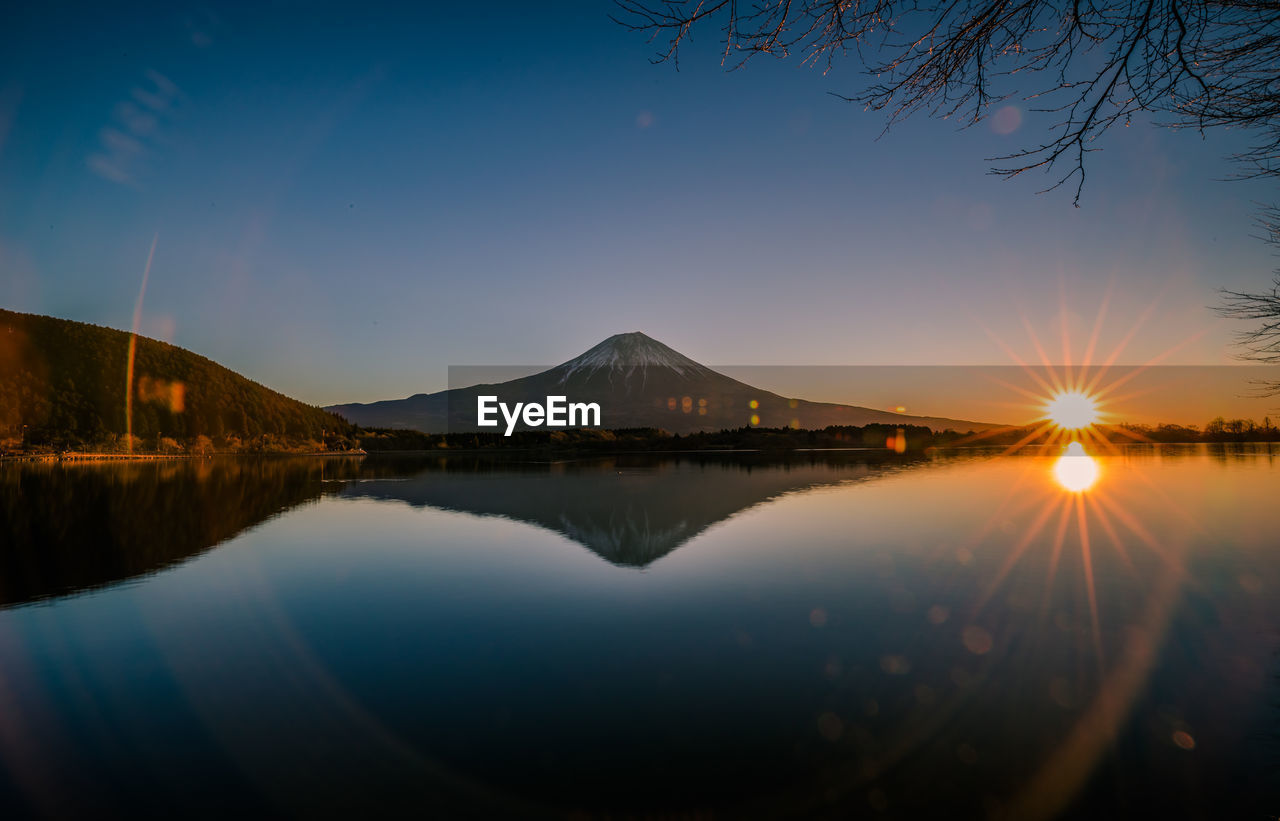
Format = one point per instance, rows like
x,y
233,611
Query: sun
x,y
1072,410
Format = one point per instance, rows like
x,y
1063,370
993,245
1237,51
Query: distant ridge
x,y
638,382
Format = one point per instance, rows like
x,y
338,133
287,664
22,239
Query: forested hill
x,y
65,382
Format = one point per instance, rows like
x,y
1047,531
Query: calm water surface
x,y
819,635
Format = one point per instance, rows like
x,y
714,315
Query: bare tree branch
x,y
1261,343
1202,63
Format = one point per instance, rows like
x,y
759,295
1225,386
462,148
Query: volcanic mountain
x,y
638,383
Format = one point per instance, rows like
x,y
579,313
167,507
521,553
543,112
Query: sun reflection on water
x,y
1075,469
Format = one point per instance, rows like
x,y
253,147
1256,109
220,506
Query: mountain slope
x,y
66,380
638,382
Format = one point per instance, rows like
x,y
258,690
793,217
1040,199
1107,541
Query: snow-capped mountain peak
x,y
629,352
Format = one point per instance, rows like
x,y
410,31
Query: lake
x,y
816,634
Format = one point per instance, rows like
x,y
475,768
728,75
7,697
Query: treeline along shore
x,y
909,438
590,440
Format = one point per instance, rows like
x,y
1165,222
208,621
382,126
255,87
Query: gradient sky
x,y
350,198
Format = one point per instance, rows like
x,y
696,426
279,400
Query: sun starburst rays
x,y
1072,411
1085,504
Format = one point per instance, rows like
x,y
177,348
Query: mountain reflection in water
x,y
629,511
74,527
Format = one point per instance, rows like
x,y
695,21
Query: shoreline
x,y
91,457
77,457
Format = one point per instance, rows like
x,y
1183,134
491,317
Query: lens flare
x,y
1072,410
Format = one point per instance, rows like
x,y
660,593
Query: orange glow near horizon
x,y
1079,398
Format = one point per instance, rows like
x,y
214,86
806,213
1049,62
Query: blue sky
x,y
349,199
